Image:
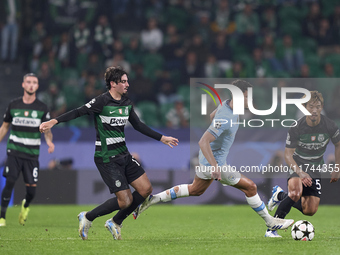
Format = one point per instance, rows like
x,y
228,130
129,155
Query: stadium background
x,y
162,44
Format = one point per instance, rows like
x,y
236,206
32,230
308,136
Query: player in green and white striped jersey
x,y
305,146
111,111
25,114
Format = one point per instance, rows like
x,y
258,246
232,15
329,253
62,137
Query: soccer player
x,y
305,145
25,114
117,167
214,148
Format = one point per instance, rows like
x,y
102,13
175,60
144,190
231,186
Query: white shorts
x,y
228,175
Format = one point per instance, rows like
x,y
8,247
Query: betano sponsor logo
x,y
118,121
313,146
239,104
26,122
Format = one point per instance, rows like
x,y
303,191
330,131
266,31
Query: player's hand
x,y
334,176
50,148
306,179
47,125
216,173
170,141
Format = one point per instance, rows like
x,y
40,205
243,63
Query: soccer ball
x,y
303,230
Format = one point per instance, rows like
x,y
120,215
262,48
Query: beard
x,y
29,93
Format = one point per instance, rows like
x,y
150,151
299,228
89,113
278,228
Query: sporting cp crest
x,y
118,184
321,137
34,114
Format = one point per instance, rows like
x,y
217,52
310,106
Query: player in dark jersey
x,y
25,114
117,167
305,146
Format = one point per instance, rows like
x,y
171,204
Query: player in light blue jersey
x,y
214,148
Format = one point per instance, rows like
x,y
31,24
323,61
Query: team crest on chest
x,y
34,114
313,137
26,113
321,137
120,111
126,110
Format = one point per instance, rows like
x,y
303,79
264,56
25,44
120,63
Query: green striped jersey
x,y
110,123
24,139
110,117
310,142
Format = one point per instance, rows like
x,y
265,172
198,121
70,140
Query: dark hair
x,y
113,74
30,75
242,84
315,96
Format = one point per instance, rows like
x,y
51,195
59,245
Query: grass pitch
x,y
166,229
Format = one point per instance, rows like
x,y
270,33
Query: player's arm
x,y
45,126
145,130
305,178
212,115
4,129
336,173
204,144
94,106
49,138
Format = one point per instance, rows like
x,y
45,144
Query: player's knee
x,y
253,188
310,211
126,202
147,191
295,195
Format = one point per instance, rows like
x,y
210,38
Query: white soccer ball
x,y
303,230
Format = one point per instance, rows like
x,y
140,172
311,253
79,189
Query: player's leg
x,y
278,194
293,198
11,173
197,188
249,188
295,189
122,200
311,198
5,199
143,189
137,178
112,176
310,205
30,171
199,185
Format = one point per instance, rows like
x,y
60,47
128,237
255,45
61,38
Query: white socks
x,y
173,193
258,206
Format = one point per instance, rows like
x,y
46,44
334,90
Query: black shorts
x,y
314,190
120,172
28,167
